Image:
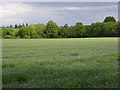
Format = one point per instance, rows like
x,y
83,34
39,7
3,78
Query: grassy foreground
x,y
60,63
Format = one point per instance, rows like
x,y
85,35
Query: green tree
x,y
40,28
26,24
27,32
118,29
87,31
16,26
72,33
110,29
23,25
51,30
19,25
97,29
109,19
64,31
8,32
79,29
10,25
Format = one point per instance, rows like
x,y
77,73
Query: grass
x,y
0,64
60,63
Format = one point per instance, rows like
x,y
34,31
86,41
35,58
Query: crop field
x,y
60,63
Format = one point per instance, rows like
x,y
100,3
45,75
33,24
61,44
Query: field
x,y
60,63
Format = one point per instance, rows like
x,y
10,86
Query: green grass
x,y
0,63
60,63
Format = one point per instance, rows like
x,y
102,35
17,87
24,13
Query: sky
x,y
12,12
59,0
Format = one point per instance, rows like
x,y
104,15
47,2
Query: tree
x,y
19,25
118,29
97,29
16,26
23,25
26,24
64,31
87,31
51,30
110,29
40,28
109,19
27,32
8,32
79,29
72,33
10,25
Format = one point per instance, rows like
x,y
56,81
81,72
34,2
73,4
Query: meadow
x,y
60,63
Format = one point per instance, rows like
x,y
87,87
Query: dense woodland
x,y
108,28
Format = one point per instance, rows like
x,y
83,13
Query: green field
x,y
60,63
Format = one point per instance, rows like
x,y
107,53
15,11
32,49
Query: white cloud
x,y
9,12
12,13
92,8
59,0
15,8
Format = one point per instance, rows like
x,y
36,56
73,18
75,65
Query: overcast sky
x,y
60,12
59,0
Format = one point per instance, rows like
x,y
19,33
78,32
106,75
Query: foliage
x,y
8,32
108,28
117,29
109,19
51,30
79,30
64,31
27,32
97,29
40,28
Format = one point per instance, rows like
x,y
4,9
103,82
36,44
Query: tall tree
x,y
110,29
97,29
64,31
8,32
16,26
109,19
19,25
10,25
26,24
79,29
51,30
40,28
27,32
118,29
23,25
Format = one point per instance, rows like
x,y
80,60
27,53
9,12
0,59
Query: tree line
x,y
108,28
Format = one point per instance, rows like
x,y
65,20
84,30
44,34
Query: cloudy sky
x,y
59,0
60,12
